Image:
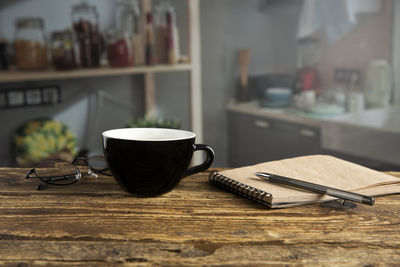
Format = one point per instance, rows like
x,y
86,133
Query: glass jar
x,y
151,56
172,37
119,49
85,23
160,24
30,44
127,15
129,22
62,50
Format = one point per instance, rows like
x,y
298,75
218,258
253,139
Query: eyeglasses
x,y
61,173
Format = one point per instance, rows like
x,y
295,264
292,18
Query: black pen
x,y
324,190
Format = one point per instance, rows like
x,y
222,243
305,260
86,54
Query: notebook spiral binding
x,y
239,188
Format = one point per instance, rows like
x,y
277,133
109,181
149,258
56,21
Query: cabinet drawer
x,y
309,140
254,139
308,133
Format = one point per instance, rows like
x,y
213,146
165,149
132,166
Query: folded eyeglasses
x,y
61,172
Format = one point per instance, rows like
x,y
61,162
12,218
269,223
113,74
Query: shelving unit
x,y
193,67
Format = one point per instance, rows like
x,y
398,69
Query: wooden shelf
x,y
25,76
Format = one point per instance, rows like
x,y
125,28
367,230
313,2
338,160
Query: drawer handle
x,y
308,133
261,124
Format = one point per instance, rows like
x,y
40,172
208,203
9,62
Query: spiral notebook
x,y
320,169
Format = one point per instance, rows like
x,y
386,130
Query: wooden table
x,y
96,223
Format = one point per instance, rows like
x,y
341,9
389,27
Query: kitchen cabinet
x,y
254,139
193,66
262,134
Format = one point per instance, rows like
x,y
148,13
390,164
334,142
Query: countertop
x,y
284,114
95,223
383,119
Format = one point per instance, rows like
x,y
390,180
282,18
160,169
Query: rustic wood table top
x,y
95,223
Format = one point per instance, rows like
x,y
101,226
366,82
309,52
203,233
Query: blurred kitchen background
x,y
257,80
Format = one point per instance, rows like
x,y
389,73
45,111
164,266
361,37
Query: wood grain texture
x,y
95,223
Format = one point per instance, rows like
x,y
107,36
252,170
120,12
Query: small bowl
x,y
278,93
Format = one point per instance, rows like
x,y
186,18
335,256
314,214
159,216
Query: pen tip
x,y
372,201
262,174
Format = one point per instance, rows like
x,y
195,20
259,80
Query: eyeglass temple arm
x,y
59,177
32,171
41,186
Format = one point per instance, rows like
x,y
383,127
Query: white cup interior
x,y
148,134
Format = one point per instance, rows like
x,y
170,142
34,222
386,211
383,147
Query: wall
x,y
268,30
226,27
85,108
370,39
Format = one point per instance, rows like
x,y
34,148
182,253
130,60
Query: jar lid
x,y
83,7
30,22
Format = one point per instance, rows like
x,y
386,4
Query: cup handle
x,y
203,166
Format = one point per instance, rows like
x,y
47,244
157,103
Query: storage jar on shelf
x,y
85,23
166,32
119,49
30,44
129,20
62,50
160,24
119,39
172,37
151,56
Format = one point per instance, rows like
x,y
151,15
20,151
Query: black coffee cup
x,y
151,161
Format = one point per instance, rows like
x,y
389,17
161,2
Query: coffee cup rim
x,y
139,134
